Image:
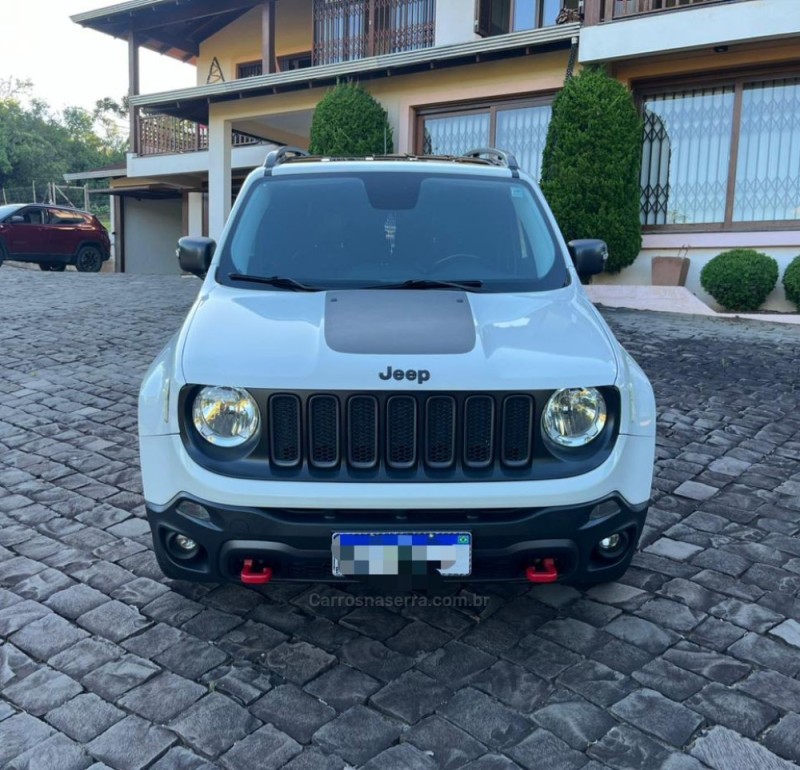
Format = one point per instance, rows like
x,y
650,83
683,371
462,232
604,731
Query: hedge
x,y
791,282
740,279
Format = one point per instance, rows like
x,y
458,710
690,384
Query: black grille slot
x,y
517,430
401,432
440,431
285,437
323,431
362,431
478,431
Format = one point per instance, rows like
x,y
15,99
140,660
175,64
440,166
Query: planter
x,y
670,271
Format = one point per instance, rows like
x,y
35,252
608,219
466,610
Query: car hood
x,y
345,340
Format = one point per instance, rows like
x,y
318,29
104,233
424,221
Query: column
x,y
195,223
219,175
133,88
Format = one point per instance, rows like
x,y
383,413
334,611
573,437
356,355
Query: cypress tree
x,y
592,162
349,121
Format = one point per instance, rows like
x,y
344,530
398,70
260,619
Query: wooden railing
x,y
597,11
165,135
345,30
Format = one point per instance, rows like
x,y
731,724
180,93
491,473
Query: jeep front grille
x,y
400,432
404,436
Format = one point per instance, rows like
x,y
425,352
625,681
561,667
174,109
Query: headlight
x,y
225,417
574,416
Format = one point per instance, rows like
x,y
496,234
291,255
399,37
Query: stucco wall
x,y
152,228
402,95
698,28
782,246
455,22
241,41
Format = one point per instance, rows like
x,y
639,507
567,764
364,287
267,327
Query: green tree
x,y
591,164
350,122
40,146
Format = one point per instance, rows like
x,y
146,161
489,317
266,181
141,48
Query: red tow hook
x,y
255,576
543,571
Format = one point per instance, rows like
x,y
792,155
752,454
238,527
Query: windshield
x,y
7,211
388,228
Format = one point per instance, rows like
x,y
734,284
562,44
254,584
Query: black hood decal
x,y
401,322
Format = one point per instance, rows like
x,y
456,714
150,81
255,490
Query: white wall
x,y
702,247
455,22
698,27
152,230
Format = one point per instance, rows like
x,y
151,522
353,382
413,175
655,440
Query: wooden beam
x,y
592,12
199,9
133,88
268,18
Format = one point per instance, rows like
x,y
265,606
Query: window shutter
x,y
483,17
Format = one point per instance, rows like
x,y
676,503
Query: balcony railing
x,y
165,135
345,30
598,11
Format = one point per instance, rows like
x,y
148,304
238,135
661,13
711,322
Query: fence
x,y
76,197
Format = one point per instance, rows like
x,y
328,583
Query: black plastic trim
x,y
296,543
255,462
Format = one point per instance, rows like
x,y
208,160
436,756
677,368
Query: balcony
x,y
165,135
598,11
345,30
617,30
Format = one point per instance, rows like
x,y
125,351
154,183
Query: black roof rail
x,y
498,157
276,157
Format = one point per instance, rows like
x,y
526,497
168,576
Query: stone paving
x,y
692,661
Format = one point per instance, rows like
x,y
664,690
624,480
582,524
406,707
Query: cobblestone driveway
x,y
693,661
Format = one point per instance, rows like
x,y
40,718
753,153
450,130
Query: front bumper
x,y
296,543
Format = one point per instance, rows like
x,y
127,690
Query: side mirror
x,y
588,255
17,220
195,255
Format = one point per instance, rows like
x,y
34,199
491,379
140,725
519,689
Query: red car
x,y
53,237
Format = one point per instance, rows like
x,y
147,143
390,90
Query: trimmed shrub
x,y
591,165
791,282
348,121
740,279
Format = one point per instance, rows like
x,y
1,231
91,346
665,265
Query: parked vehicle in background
x,y
53,237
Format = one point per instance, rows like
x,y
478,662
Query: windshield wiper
x,y
429,283
277,281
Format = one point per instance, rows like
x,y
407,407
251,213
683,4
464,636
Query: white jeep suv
x,y
392,373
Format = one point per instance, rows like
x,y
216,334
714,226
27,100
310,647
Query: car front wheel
x,y
89,260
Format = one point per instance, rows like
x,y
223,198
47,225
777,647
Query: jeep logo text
x,y
418,375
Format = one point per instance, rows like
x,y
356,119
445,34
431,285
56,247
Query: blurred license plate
x,y
401,553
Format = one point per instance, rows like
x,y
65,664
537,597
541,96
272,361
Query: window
x,y
65,217
250,69
387,227
32,216
499,17
345,30
724,155
517,127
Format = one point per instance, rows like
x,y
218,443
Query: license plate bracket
x,y
369,554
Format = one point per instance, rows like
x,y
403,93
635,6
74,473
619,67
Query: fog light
x,y
610,543
186,543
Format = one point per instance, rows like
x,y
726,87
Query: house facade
x,y
718,83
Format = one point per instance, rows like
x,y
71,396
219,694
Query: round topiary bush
x,y
740,279
348,121
591,164
791,282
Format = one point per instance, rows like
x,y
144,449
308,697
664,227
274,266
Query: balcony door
x,y
345,30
